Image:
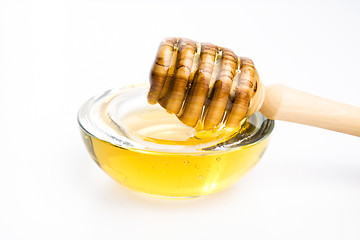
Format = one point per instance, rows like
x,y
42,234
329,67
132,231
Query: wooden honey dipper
x,y
205,85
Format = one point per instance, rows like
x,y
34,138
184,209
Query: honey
x,y
152,152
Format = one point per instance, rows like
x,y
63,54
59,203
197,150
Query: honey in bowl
x,y
150,151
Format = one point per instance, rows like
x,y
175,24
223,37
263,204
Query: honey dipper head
x,y
204,84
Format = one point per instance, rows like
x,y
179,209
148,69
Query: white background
x,y
54,55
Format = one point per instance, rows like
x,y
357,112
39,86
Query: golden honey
x,y
170,159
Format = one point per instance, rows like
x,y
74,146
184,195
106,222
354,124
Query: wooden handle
x,y
288,104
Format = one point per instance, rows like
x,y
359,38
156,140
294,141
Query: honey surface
x,y
173,174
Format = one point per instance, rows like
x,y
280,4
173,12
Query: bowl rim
x,y
269,128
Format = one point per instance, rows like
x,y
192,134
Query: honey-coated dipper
x,y
205,85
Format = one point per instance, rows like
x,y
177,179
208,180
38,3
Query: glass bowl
x,y
150,151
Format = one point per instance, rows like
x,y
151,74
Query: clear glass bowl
x,y
150,151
